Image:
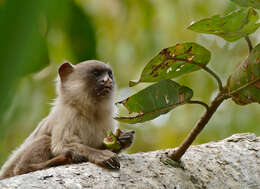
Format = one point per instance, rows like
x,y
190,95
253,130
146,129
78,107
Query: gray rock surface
x,y
231,163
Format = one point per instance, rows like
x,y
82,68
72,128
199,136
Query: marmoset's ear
x,y
64,70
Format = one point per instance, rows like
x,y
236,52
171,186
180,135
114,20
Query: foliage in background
x,y
22,47
125,34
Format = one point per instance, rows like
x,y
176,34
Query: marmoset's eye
x,y
110,74
96,73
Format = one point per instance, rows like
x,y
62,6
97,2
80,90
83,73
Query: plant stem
x,y
204,67
198,102
207,69
244,86
250,46
176,155
210,110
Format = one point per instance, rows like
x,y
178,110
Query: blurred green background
x,y
37,36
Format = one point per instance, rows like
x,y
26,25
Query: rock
x,y
231,163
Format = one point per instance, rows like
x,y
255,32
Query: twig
x,y
249,43
207,69
202,66
198,102
244,86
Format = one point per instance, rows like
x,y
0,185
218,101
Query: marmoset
x,y
74,130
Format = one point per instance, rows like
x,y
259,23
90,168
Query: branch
x,y
198,102
243,87
177,154
249,43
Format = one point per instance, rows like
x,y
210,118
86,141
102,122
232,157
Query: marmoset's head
x,y
87,82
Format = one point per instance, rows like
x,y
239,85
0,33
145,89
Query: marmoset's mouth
x,y
104,90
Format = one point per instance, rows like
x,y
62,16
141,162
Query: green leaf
x,y
246,76
231,27
248,3
76,24
81,33
155,100
174,61
23,49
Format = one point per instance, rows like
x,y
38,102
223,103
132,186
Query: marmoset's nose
x,y
107,81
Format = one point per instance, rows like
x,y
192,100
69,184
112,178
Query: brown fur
x,y
75,128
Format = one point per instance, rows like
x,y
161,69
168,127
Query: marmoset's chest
x,y
82,129
92,132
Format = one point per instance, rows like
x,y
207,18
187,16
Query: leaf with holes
x,y
248,3
155,100
246,76
174,61
231,27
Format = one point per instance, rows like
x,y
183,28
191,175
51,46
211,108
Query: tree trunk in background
x,y
231,163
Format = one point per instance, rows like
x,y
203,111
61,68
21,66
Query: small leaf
x,y
231,27
174,61
155,100
247,74
248,3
